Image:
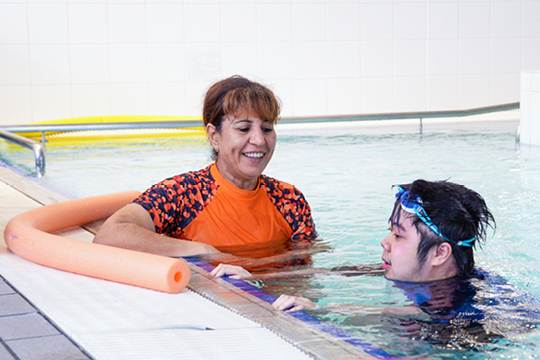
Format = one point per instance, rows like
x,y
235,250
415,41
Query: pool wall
x,y
80,58
530,113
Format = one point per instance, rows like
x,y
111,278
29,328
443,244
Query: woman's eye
x,y
268,130
245,130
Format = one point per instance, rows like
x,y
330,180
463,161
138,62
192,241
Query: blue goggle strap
x,y
416,208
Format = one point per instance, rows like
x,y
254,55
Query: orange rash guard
x,y
202,206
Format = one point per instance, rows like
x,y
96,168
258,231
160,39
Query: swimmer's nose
x,y
385,243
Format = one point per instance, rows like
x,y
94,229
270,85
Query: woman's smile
x,y
254,155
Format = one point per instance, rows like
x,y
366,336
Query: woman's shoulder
x,y
280,188
189,178
187,184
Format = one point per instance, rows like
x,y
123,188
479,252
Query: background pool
x,y
347,177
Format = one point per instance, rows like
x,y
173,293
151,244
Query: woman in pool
x,y
229,205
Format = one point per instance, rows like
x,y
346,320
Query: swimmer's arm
x,y
299,251
406,311
290,303
357,270
237,267
238,272
132,228
368,270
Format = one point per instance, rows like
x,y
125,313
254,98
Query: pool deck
x,y
51,314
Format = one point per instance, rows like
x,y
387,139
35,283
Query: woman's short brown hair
x,y
237,95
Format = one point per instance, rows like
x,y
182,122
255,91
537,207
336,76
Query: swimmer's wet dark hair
x,y
458,212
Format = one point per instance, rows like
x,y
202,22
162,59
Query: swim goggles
x,y
413,205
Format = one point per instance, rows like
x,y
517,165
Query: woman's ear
x,y
213,136
442,254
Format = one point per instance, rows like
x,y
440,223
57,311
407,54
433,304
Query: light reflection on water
x,y
347,180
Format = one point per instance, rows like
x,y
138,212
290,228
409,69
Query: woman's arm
x,y
132,228
238,272
290,303
233,271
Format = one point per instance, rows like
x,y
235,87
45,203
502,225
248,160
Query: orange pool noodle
x,y
29,236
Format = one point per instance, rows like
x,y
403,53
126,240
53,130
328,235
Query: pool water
x,y
347,177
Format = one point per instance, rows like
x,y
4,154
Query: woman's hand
x,y
290,303
234,272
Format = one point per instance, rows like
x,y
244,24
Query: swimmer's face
x,y
244,145
400,252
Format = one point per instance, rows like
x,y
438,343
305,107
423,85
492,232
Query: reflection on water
x,y
459,317
479,313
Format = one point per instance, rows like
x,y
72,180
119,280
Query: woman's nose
x,y
257,137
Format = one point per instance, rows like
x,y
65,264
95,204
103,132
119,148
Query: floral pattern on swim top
x,y
175,202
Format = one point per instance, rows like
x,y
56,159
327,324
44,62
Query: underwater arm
x,y
301,271
132,228
406,311
357,270
238,272
274,266
289,303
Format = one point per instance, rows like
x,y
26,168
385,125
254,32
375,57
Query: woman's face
x,y
245,145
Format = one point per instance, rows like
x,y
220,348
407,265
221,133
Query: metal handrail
x,y
404,115
6,132
103,126
38,148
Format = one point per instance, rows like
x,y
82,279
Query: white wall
x,y
530,108
73,58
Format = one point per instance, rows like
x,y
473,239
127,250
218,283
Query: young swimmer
x,y
434,228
